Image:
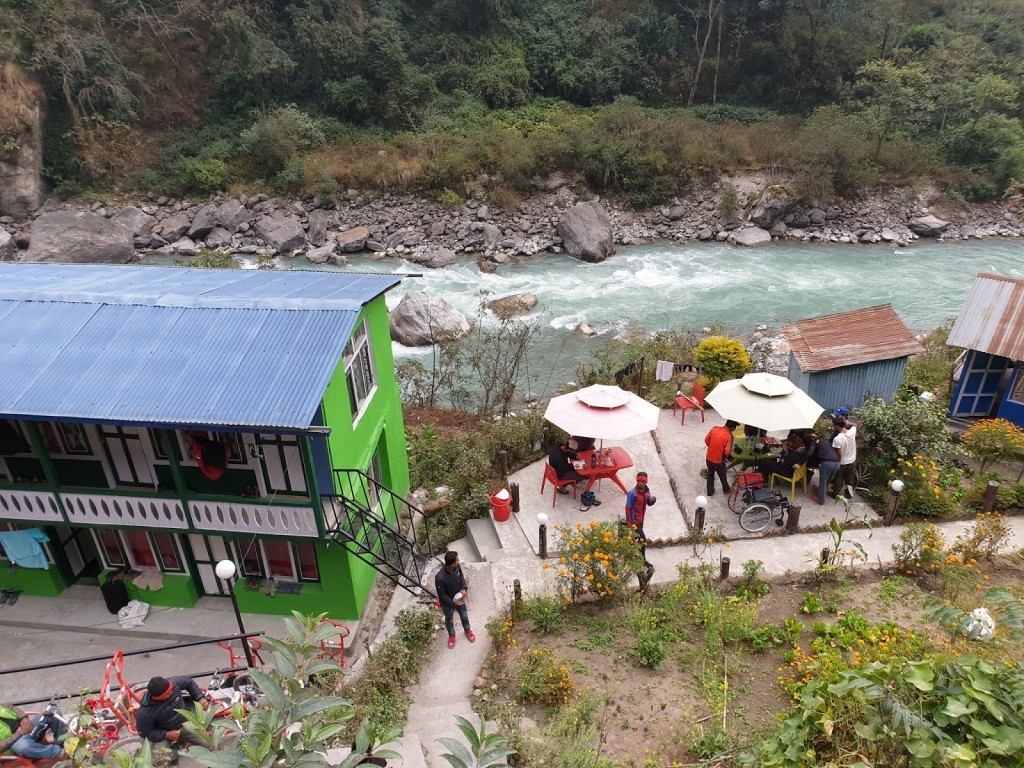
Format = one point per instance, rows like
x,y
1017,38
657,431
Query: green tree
x,y
894,97
721,358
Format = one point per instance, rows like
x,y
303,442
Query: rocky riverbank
x,y
433,235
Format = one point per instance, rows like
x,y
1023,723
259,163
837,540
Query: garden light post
x,y
542,532
897,487
225,571
699,513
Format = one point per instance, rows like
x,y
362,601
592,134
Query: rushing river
x,y
688,287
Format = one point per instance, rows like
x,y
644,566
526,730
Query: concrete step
x,y
484,537
466,549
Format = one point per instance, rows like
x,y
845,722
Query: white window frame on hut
x,y
360,372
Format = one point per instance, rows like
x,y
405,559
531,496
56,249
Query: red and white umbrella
x,y
602,412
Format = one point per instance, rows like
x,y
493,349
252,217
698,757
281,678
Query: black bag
x,y
587,500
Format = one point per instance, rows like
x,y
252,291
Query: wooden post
x,y
698,519
990,496
724,566
640,379
793,519
825,553
513,489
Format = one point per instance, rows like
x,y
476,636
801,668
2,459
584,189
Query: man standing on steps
x,y
451,588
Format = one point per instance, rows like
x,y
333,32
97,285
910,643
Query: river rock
x,y
281,232
322,254
587,232
927,226
420,320
436,258
204,221
79,237
218,238
772,206
7,247
184,246
889,235
319,220
339,260
585,329
354,239
516,304
491,234
173,227
139,223
232,215
705,234
750,236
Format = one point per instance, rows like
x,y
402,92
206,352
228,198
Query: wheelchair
x,y
762,507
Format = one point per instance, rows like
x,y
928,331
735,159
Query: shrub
x,y
1007,496
921,548
984,539
208,175
923,493
546,613
543,677
450,199
929,371
994,440
905,427
598,559
721,358
276,135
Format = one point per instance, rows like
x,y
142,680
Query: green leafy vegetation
x,y
640,99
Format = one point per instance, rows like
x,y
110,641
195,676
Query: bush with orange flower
x,y
545,678
991,440
596,559
923,492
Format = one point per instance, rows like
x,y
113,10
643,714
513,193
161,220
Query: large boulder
x,y
231,214
173,227
79,237
281,232
516,304
927,226
319,220
436,258
139,223
772,206
204,221
7,246
587,232
420,320
750,236
354,239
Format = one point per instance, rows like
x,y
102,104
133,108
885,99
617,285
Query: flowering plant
x,y
597,558
923,492
994,440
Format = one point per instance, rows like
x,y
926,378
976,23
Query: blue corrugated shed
x,y
155,346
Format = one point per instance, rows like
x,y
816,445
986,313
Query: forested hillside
x,y
639,96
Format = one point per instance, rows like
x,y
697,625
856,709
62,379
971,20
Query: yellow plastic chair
x,y
799,474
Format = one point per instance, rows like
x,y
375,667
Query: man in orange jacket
x,y
719,443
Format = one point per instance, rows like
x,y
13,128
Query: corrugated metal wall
x,y
850,385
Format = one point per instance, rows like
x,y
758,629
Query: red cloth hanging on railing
x,y
211,455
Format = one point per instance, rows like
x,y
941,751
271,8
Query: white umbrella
x,y
604,412
765,401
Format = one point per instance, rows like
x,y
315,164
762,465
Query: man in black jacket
x,y
157,719
451,588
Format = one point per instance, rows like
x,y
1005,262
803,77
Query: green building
x,y
160,420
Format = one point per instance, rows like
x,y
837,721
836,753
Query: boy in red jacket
x,y
719,443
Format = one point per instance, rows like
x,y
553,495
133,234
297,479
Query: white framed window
x,y
139,548
278,558
360,374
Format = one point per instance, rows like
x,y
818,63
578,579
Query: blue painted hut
x,y
990,375
845,358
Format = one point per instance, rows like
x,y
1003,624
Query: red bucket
x,y
501,505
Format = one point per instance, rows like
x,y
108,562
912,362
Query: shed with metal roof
x,y
990,327
844,358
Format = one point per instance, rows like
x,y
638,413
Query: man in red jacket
x,y
719,443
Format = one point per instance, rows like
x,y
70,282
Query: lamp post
x,y
897,487
225,571
542,532
699,513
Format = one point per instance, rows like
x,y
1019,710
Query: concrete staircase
x,y
481,543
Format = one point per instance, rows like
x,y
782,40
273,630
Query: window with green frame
x,y
280,559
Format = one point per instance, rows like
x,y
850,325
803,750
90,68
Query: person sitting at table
x,y
579,443
793,455
560,458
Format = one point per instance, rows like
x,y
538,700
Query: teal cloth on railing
x,y
25,548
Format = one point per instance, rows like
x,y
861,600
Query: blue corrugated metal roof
x,y
166,347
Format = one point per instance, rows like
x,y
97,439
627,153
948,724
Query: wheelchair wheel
x,y
131,745
755,518
735,498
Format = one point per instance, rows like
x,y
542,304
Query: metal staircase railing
x,y
380,528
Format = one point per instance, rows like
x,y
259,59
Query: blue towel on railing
x,y
25,547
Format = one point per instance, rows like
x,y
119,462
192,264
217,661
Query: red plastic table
x,y
620,460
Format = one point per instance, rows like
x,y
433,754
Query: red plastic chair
x,y
693,403
334,647
237,656
551,477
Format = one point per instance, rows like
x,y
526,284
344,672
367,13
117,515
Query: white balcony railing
x,y
34,506
101,509
156,512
